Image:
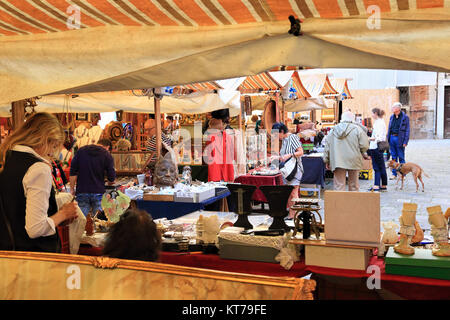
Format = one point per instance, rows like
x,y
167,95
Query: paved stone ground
x,y
434,157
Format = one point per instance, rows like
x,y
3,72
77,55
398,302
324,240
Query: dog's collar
x,y
399,168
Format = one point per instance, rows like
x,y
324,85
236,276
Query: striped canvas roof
x,y
301,91
21,17
317,84
258,83
341,86
202,86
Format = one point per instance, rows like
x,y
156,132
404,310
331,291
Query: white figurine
x,y
208,229
439,231
390,233
407,229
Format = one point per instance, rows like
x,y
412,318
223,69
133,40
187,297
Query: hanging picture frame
x,y
82,116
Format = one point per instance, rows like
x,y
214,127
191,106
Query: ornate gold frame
x,y
302,288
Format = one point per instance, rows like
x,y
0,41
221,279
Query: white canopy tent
x,y
196,102
142,46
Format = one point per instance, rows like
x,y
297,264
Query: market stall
x,y
347,283
175,209
110,52
293,96
314,174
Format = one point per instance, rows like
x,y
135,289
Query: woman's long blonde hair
x,y
40,130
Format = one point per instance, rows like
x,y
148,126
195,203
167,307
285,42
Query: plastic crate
x,y
366,174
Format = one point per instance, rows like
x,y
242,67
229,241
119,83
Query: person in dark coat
x,y
87,173
398,135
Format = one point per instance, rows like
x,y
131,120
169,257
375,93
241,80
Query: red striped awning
x,y
300,89
202,86
20,17
259,83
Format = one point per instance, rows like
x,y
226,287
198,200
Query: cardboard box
x,y
352,218
366,174
421,264
337,257
195,196
239,251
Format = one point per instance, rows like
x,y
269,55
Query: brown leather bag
x,y
383,146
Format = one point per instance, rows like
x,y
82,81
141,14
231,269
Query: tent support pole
x,y
240,121
313,115
158,126
18,113
277,106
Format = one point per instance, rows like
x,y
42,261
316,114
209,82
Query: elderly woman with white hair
x,y
398,134
346,144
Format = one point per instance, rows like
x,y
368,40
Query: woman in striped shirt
x,y
150,130
290,147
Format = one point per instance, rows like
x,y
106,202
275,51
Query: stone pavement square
x,y
434,157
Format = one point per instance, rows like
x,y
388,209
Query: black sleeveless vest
x,y
14,205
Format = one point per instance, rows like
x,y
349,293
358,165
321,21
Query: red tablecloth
x,y
213,261
404,286
257,181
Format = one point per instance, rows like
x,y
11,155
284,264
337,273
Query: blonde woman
x,y
28,209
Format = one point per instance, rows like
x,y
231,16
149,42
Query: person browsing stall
x,y
378,135
87,175
291,147
135,236
150,130
220,147
345,147
28,210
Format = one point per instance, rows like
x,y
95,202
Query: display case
x,y
256,150
140,137
129,162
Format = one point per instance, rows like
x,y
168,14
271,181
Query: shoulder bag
x,y
289,170
383,146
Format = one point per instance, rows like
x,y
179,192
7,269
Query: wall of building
x,y
377,88
443,81
365,100
379,79
422,107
